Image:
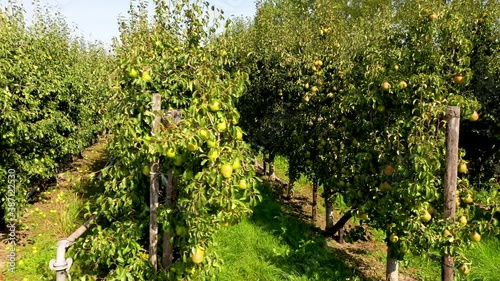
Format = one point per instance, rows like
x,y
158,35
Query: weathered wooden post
x,y
450,180
170,202
154,189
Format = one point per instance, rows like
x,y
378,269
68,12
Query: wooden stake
x,y
450,180
167,254
154,190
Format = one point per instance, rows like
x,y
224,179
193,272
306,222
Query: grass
x,y
55,215
273,245
485,263
486,260
47,221
281,167
485,255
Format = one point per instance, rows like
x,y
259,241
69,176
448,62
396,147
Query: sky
x,y
97,20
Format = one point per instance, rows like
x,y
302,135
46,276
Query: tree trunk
x,y
167,255
264,167
272,175
450,181
340,239
153,216
342,221
291,183
392,273
315,201
329,212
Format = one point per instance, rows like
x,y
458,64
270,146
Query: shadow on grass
x,y
311,257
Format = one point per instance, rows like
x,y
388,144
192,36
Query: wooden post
x,y
450,180
168,247
154,190
170,202
315,200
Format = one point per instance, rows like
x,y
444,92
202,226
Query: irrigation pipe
x,y
60,264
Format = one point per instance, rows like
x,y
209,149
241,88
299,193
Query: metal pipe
x,y
60,264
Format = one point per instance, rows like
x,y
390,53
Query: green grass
x,y
275,246
34,264
485,258
55,217
281,167
485,255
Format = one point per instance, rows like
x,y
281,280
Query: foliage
x,y
274,245
53,90
178,56
348,90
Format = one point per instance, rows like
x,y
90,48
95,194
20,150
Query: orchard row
x,y
354,95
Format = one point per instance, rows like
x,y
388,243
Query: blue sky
x,y
97,19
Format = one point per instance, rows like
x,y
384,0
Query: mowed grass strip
x,y
272,245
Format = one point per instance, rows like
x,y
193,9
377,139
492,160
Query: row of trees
x,y
354,95
206,170
53,89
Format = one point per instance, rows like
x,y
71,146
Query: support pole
x,y
450,181
167,254
154,190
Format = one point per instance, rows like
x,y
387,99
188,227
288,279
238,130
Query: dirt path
x,y
55,213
